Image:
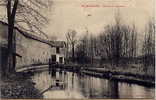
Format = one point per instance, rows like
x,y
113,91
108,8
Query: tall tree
x,y
112,39
71,38
28,16
148,48
118,41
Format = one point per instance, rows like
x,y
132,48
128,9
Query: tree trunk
x,y
73,53
10,49
11,60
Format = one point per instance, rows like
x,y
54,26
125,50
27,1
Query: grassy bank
x,y
18,86
129,73
133,73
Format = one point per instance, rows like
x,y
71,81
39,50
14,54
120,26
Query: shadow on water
x,y
62,84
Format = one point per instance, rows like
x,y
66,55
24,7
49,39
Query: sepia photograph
x,y
77,49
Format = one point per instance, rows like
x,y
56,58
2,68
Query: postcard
x,y
77,49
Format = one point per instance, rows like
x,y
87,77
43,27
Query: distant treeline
x,y
118,43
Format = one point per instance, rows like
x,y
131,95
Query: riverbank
x,y
132,73
129,73
18,86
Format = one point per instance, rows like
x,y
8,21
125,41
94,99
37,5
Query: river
x,y
78,86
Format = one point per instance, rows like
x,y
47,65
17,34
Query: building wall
x,y
61,54
32,51
3,34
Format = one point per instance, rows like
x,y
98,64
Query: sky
x,y
74,14
94,15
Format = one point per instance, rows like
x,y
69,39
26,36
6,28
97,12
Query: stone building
x,y
58,51
31,49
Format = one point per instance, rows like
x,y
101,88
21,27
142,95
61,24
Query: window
x,y
57,50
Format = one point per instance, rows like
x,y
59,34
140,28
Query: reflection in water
x,y
135,91
82,86
113,89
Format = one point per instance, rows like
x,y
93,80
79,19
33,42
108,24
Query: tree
x,y
133,42
71,40
112,41
86,48
148,48
92,48
118,42
83,49
80,52
28,16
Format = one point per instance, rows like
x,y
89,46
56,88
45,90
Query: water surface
x,y
82,86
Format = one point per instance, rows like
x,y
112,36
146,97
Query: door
x,y
53,57
61,60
